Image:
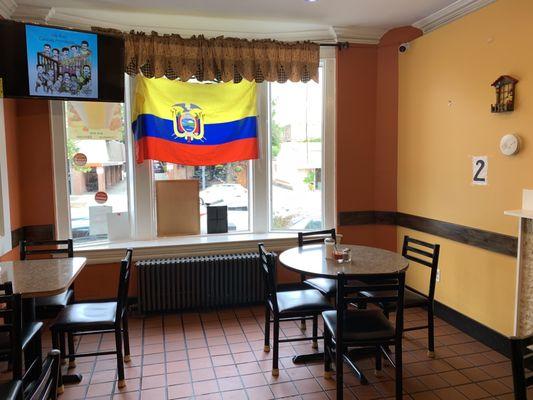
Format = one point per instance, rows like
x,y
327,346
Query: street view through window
x,y
96,170
220,185
296,154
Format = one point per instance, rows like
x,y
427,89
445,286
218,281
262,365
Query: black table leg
x,y
29,316
34,350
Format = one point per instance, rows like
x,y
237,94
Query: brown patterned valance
x,y
223,59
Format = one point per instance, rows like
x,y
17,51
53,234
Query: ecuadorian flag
x,y
194,123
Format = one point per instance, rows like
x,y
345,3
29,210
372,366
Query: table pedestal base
x,y
305,358
72,379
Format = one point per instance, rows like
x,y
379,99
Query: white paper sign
x,y
118,226
98,219
480,167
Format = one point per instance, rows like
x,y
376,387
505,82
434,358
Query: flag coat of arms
x,y
193,123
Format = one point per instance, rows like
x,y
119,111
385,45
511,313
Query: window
x,y
289,188
97,173
220,185
296,150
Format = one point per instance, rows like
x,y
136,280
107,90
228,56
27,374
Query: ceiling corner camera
x,y
402,48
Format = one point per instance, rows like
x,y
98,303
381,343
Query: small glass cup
x,y
347,255
337,255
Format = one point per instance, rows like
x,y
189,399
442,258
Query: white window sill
x,y
185,246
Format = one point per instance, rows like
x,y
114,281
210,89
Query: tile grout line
x,y
251,349
186,347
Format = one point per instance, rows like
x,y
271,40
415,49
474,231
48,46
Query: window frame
x,y
327,63
141,186
5,219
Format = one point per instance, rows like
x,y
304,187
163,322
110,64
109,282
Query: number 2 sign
x,y
480,167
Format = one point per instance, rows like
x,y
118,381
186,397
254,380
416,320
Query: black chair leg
x,y
275,355
120,358
71,351
315,332
303,326
38,354
56,345
431,332
338,371
378,359
399,369
126,333
266,348
62,347
327,353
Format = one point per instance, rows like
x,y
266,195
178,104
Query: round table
x,y
311,260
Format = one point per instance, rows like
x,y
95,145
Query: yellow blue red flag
x,y
194,123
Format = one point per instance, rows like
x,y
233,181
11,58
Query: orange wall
x,y
29,161
35,162
367,133
355,142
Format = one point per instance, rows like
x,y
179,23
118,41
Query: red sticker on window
x,y
100,197
79,159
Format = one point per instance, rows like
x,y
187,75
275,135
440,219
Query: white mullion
x,y
261,166
5,221
59,151
329,141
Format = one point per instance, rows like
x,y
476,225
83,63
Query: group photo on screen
x,y
62,63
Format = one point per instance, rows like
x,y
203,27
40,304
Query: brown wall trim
x,y
491,241
33,233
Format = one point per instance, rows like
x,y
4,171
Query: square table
x,y
41,278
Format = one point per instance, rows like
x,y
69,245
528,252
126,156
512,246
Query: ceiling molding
x,y
7,7
450,13
354,34
33,13
209,27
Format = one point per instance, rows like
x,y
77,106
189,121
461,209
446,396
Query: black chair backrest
x,y
268,263
386,288
522,362
45,387
11,314
426,254
315,237
124,284
46,247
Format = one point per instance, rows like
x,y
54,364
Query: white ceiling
x,y
367,13
360,21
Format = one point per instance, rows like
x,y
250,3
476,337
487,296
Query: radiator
x,y
199,282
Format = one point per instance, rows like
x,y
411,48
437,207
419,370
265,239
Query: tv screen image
x,y
62,63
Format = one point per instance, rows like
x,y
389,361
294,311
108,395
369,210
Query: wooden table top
x,y
41,278
311,260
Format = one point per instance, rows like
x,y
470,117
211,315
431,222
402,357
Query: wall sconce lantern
x,y
505,94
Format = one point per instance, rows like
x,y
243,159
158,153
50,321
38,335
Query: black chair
x,y
522,360
50,306
287,306
326,286
426,254
45,387
349,327
20,344
11,391
96,318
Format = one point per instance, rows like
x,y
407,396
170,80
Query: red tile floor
x,y
219,355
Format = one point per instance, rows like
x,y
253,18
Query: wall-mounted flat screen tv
x,y
56,63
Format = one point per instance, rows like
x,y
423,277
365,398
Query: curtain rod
x,y
340,45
